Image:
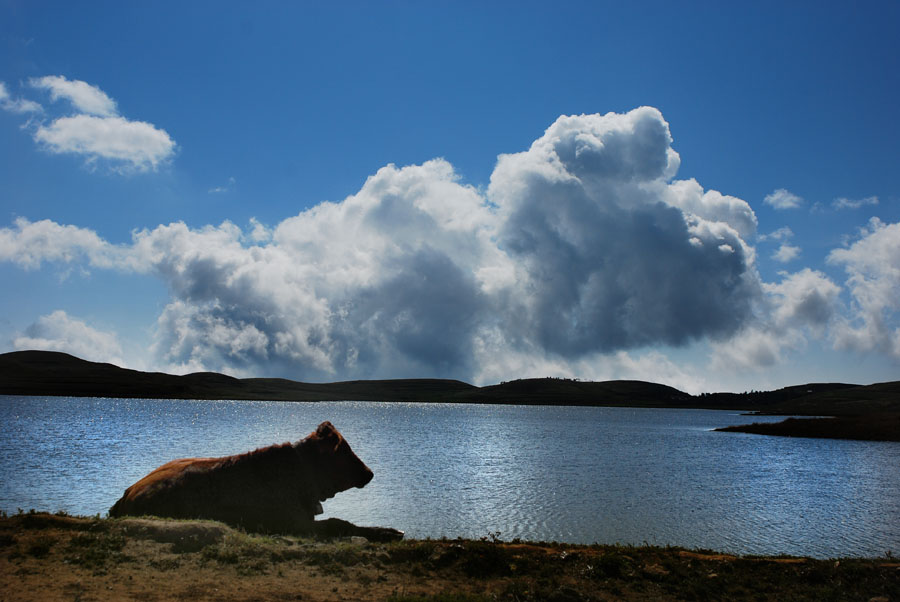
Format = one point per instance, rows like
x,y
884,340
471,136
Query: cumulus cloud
x,y
84,97
802,305
872,264
583,255
60,332
583,251
755,347
195,337
783,199
786,252
845,203
807,298
29,244
96,131
129,145
608,255
713,206
386,282
259,233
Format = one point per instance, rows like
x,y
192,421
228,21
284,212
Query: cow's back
x,y
277,488
167,491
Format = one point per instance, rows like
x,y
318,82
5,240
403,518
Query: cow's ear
x,y
328,435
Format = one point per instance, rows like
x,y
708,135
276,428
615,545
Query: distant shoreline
x,y
49,373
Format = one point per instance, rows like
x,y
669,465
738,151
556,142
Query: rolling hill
x,y
60,374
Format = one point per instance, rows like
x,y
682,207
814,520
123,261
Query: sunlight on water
x,y
581,475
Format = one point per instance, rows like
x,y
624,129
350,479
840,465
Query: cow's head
x,y
336,466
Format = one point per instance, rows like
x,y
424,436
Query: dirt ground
x,y
50,557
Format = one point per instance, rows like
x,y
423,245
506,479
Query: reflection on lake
x,y
580,475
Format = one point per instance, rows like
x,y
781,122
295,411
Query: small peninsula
x,y
872,427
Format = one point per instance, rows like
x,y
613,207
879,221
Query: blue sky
x,y
702,194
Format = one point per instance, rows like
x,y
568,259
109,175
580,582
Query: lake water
x,y
580,475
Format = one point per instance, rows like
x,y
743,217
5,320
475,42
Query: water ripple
x,y
581,475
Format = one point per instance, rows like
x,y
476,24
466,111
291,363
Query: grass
x,y
96,550
247,554
39,547
50,553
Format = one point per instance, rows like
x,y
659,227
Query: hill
x,y
60,374
55,373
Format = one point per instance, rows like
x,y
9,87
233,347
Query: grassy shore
x,y
48,557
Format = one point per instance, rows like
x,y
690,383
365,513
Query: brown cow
x,y
273,489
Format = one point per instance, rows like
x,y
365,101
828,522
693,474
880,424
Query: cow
x,y
275,489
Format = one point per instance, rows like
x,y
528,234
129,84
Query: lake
x,y
579,475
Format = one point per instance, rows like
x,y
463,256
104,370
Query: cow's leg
x,y
331,528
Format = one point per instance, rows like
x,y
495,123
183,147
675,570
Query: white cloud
x,y
96,131
607,256
582,254
130,145
755,347
845,203
803,304
807,298
786,253
195,337
712,205
29,244
872,264
84,97
783,233
783,199
259,233
60,332
19,105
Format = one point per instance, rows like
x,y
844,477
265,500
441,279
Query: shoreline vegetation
x,y
47,556
842,410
